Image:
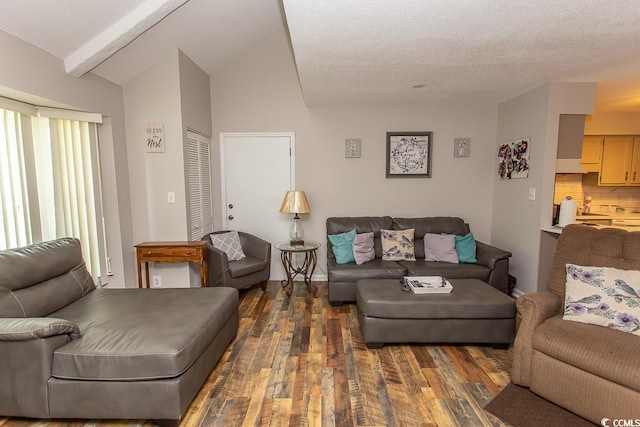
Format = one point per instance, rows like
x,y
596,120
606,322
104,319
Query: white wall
x,y
35,72
175,92
260,92
517,220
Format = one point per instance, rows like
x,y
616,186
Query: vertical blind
x,y
49,184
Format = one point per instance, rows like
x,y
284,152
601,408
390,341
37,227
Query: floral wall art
x,y
513,159
409,154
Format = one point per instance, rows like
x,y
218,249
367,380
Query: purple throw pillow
x,y
363,250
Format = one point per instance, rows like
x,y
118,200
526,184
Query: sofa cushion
x,y
603,296
362,224
342,246
374,269
440,247
398,245
139,334
39,279
246,265
363,250
436,225
604,352
422,267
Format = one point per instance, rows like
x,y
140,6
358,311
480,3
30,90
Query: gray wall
x,y
175,92
260,92
35,72
516,220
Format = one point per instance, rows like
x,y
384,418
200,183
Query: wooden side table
x,y
195,251
305,269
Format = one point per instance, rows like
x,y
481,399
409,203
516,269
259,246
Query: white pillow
x,y
603,296
229,243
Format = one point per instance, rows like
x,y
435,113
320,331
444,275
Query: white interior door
x,y
257,171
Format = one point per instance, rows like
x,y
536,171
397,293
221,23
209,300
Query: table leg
x,y
139,274
146,269
287,284
311,260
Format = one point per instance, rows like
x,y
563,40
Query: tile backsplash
x,y
603,199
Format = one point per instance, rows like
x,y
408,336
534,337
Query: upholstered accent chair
x,y
591,370
253,269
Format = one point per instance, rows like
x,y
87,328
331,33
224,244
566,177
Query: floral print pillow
x,y
603,296
397,245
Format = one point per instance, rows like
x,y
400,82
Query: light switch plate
x,y
352,147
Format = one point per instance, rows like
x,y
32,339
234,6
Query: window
x,y
50,183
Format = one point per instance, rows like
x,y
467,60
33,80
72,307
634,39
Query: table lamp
x,y
295,202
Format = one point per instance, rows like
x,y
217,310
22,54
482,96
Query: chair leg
x,y
264,285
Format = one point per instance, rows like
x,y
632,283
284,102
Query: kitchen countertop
x,y
609,215
558,230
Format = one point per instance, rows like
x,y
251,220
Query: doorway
x,y
257,169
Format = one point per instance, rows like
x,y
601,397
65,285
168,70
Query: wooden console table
x,y
172,252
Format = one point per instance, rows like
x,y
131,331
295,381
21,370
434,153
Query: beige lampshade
x,y
295,202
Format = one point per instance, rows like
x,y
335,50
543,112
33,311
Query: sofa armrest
x,y
497,260
256,247
488,255
218,265
22,329
534,309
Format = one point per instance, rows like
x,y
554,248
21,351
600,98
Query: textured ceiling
x,y
374,51
465,50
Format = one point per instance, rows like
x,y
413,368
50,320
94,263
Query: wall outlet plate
x,y
352,148
461,147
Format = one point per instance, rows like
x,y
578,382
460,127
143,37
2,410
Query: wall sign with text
x,y
154,138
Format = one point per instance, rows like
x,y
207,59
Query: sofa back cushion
x,y
583,245
39,279
362,224
432,225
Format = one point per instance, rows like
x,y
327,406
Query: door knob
x,y
230,217
230,205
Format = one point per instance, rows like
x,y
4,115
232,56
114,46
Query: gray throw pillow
x,y
229,243
440,247
363,250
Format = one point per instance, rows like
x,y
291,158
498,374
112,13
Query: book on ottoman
x,y
428,284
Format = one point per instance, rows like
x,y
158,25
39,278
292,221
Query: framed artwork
x,y
409,154
513,159
461,147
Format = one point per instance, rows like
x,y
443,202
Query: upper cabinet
x,y
620,161
591,153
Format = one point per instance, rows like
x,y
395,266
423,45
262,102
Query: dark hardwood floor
x,y
299,361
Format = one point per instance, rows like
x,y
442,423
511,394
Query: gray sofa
x,y
492,263
69,350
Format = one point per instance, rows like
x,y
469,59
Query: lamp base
x,y
296,242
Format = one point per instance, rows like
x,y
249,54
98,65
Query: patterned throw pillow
x,y
229,243
397,245
603,296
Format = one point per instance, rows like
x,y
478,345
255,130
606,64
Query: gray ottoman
x,y
473,313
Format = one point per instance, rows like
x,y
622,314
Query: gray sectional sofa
x,y
492,264
69,350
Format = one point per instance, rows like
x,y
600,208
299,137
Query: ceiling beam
x,y
118,35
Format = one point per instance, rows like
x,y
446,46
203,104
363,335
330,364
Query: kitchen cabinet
x,y
591,157
620,161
